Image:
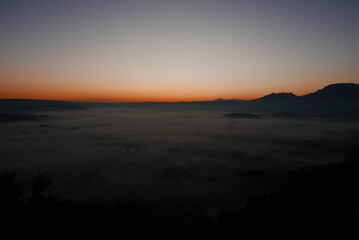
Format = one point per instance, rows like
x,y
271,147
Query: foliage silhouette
x,y
319,202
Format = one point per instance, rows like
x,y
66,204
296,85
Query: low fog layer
x,y
188,158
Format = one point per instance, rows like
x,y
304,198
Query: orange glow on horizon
x,y
113,98
38,86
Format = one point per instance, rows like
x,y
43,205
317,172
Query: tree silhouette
x,y
42,190
9,189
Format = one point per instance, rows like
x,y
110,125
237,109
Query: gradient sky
x,y
133,50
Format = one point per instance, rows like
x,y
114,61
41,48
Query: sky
x,y
150,50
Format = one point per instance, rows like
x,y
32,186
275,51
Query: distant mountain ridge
x,y
336,100
336,91
227,100
6,117
14,105
278,97
340,99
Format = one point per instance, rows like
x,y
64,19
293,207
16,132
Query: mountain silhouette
x,y
338,91
335,100
283,96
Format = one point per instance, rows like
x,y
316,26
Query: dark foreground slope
x,y
318,202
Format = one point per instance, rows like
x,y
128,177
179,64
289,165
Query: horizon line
x,y
175,101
